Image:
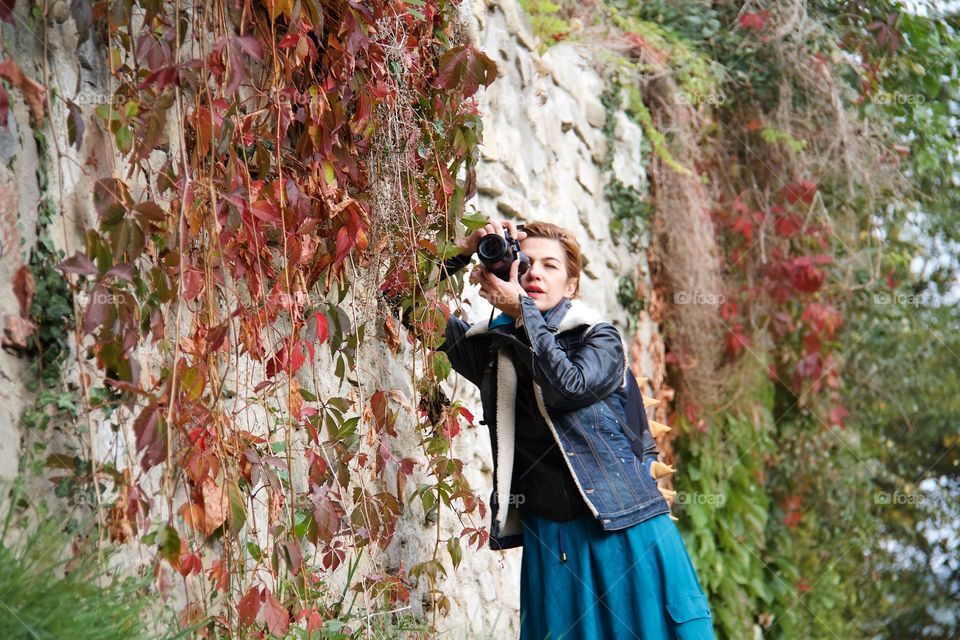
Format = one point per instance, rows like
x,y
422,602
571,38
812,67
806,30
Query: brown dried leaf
x,y
392,334
216,505
24,287
16,331
32,91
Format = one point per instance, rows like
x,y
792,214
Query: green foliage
x,y
631,212
547,22
724,509
48,595
827,444
51,308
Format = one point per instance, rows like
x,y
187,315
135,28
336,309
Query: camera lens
x,y
492,248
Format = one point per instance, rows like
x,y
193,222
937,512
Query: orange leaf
x,y
32,91
216,505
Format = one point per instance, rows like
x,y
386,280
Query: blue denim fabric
x,y
580,375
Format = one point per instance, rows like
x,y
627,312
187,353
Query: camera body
x,y
497,254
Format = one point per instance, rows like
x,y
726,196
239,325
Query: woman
x,y
601,557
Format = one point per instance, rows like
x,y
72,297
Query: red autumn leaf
x,y
249,606
788,225
451,427
190,563
4,107
289,41
250,45
282,359
345,240
98,309
792,519
266,211
754,20
122,271
825,318
327,515
693,413
811,343
322,327
736,340
276,616
192,283
406,465
383,417
466,414
728,310
6,10
799,191
838,415
78,264
791,505
467,65
314,621
744,227
803,273
810,366
298,356
151,437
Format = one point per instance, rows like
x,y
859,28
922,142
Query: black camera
x,y
497,254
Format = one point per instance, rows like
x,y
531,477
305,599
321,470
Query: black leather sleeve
x,y
641,440
578,379
468,356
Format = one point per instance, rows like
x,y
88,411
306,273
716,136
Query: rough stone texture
x,y
541,156
540,160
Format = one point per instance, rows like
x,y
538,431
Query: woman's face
x,y
546,281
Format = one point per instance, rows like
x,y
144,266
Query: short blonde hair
x,y
567,240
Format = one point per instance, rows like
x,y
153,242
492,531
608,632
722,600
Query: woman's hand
x,y
468,246
504,295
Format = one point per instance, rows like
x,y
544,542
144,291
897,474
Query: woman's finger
x,y
497,227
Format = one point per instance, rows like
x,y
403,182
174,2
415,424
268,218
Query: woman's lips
x,y
535,291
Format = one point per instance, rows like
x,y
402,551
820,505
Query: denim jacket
x,y
582,388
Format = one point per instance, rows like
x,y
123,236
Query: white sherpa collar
x,y
577,314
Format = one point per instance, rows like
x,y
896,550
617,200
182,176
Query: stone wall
x,y
541,159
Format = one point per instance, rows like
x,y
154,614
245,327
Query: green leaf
x,y
124,138
441,365
168,544
455,551
474,220
238,510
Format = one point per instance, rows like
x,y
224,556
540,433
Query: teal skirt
x,y
578,581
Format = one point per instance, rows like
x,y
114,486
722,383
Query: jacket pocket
x,y
688,608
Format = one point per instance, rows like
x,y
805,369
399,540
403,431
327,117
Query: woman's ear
x,y
570,289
